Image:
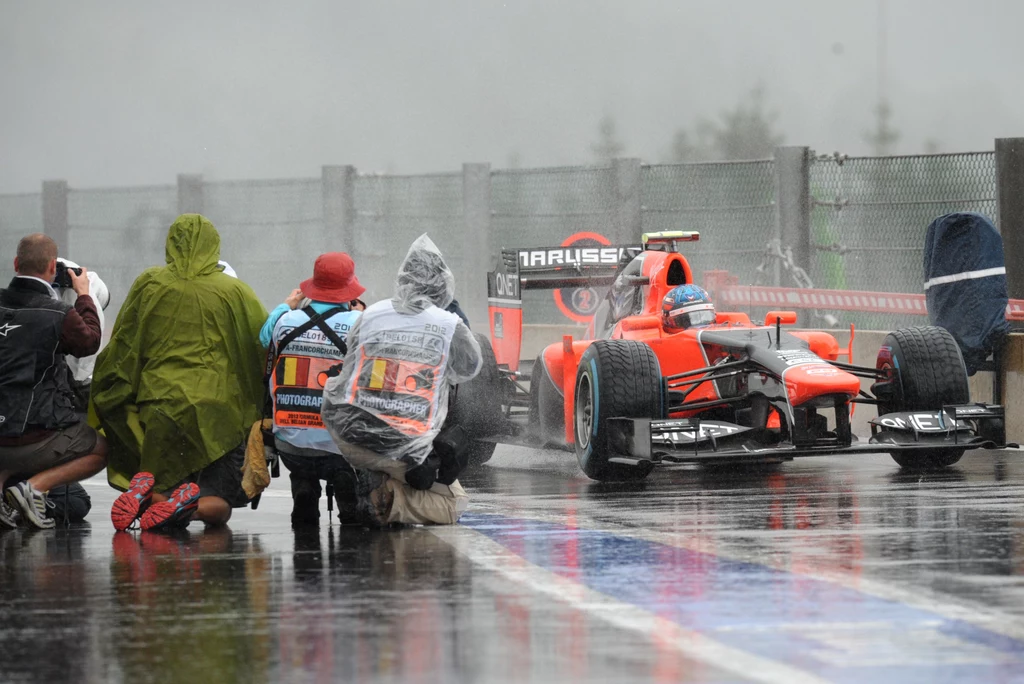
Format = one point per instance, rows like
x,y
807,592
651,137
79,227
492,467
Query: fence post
x,y
477,248
190,193
628,219
1010,207
338,188
793,207
55,213
793,202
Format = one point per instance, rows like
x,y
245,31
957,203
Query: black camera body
x,y
63,277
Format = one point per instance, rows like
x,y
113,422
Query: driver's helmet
x,y
687,306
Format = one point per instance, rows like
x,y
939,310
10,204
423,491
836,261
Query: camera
x,y
63,278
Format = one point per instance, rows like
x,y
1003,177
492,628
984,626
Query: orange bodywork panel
x,y
807,381
732,318
506,334
821,343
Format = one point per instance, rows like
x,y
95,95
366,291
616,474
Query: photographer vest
x,y
35,389
300,373
402,361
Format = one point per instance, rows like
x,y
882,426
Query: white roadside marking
x,y
982,616
494,557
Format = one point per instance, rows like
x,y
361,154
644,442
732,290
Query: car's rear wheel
x,y
928,372
615,378
547,406
477,405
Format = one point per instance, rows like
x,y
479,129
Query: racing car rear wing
x,y
543,268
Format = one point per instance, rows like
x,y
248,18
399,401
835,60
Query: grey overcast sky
x,y
129,93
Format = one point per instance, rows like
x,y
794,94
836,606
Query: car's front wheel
x,y
615,378
928,372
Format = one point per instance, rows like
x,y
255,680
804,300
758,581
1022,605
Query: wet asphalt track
x,y
825,569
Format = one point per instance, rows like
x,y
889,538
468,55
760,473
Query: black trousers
x,y
306,473
71,501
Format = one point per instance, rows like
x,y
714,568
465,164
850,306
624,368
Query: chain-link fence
x,y
866,221
119,232
271,231
391,212
19,216
732,204
870,214
543,208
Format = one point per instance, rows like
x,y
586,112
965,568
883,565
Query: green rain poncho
x,y
180,382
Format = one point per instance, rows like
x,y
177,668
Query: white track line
x,y
492,556
981,616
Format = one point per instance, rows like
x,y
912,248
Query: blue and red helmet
x,y
687,306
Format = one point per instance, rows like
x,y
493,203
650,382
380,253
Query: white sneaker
x,y
8,515
33,504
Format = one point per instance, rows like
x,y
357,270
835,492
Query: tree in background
x,y
686,149
746,131
884,137
608,145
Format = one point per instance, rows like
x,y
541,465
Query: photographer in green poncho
x,y
179,385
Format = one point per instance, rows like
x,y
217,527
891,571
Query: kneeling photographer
x,y
44,443
387,407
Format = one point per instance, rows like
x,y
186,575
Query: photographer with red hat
x,y
306,336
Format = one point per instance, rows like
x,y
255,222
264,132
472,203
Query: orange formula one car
x,y
635,392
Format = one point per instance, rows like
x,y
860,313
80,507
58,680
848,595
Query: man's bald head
x,y
36,253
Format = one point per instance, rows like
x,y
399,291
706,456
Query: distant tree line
x,y
746,131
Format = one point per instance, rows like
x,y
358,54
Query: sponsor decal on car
x,y
796,357
689,432
821,369
921,422
568,256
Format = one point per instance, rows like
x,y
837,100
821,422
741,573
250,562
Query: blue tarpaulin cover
x,y
965,283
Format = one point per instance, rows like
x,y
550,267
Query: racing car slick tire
x,y
931,374
477,405
614,378
547,406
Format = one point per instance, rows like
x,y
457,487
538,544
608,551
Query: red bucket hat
x,y
334,279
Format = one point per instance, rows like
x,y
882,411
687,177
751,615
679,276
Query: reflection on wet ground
x,y
833,569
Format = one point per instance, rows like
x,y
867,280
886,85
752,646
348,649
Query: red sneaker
x,y
129,506
176,510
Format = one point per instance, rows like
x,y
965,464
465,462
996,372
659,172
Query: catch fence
x,y
392,211
869,216
854,223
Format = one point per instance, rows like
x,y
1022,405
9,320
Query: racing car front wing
x,y
684,440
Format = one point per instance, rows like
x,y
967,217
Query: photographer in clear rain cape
x,y
387,407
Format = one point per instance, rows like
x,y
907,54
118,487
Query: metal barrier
x,y
726,290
